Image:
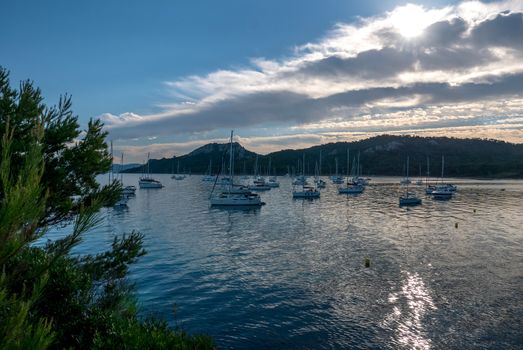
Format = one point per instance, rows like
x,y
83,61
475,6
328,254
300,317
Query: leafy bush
x,y
48,297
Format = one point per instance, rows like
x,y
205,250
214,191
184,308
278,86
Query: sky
x,y
169,76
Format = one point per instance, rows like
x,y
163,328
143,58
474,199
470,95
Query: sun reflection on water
x,y
410,306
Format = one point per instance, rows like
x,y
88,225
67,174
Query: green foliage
x,y
72,159
150,334
48,297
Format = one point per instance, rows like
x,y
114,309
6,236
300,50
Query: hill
x,y
380,155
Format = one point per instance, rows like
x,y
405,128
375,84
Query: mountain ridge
x,y
379,155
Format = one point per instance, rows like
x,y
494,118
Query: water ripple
x,y
291,274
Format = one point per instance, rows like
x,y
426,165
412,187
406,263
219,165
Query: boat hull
x,y
236,201
306,194
150,185
410,201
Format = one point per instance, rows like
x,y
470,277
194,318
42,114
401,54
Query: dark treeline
x,y
380,155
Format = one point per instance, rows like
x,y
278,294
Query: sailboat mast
x,y
407,167
230,160
148,170
442,166
358,169
112,163
319,171
348,163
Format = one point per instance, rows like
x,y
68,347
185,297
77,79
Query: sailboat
x,y
336,179
351,187
306,191
419,182
442,192
320,183
273,180
178,176
146,181
428,188
208,177
408,199
317,179
126,190
258,183
122,201
405,180
357,179
231,197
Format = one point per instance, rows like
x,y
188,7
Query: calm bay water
x,y
291,274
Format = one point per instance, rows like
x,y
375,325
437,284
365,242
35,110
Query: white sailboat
x,y
128,190
146,181
258,182
350,187
178,176
234,197
442,192
306,191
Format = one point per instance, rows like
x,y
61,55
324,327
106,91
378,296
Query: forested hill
x,y
380,155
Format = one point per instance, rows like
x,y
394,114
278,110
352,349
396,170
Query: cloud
x,y
383,73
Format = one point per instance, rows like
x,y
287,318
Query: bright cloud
x,y
413,69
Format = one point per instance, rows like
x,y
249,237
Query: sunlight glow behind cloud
x,y
433,71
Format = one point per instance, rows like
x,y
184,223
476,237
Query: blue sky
x,y
157,71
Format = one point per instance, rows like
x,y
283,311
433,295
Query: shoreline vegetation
x,y
50,298
380,156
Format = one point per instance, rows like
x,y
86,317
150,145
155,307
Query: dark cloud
x,y
443,34
448,46
372,64
283,107
455,59
504,30
240,111
443,46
